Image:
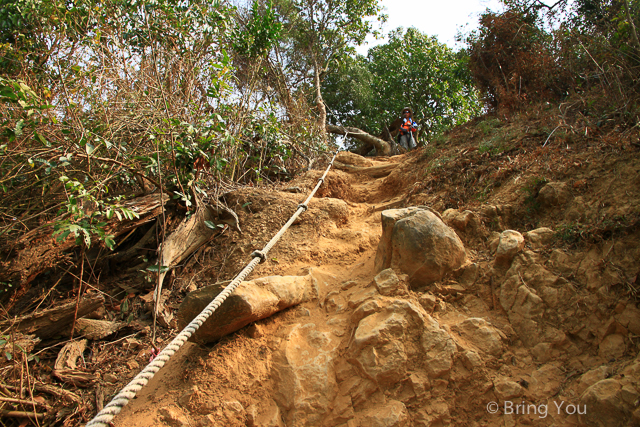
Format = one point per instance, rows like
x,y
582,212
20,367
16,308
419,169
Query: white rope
x,y
113,408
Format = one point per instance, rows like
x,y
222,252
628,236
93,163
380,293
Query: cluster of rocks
x,y
382,359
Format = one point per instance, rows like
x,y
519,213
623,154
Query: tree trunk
x,y
382,147
322,111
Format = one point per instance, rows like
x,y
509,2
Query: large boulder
x,y
251,301
416,242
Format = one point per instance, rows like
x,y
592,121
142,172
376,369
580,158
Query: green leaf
x,y
156,268
108,240
89,148
124,307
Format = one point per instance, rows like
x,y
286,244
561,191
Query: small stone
x,y
174,416
110,378
612,347
428,302
255,331
388,283
506,389
511,242
348,284
132,364
293,190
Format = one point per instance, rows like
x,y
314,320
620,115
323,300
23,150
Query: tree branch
x,y
382,147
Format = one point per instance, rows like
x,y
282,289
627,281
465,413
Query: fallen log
x,y
37,250
185,240
97,329
372,171
51,322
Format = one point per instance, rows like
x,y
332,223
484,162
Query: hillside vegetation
x,y
122,124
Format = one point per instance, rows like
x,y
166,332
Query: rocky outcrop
x,y
305,375
251,301
527,292
416,242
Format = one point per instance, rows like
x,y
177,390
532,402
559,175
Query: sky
x,y
440,18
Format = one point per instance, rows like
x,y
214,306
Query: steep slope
x,y
545,335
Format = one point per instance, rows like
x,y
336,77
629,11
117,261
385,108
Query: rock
x,y
630,318
540,237
591,377
234,412
295,190
305,375
110,378
511,242
603,405
398,332
489,211
553,194
388,284
506,389
416,242
268,417
528,289
361,295
250,301
462,221
337,209
392,414
481,334
255,331
612,347
348,285
546,381
428,302
467,274
471,360
335,302
174,416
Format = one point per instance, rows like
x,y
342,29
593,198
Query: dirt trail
x,y
578,333
347,253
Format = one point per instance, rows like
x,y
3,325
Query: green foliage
x,y
413,70
259,34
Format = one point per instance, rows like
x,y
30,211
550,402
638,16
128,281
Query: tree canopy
x,y
410,70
